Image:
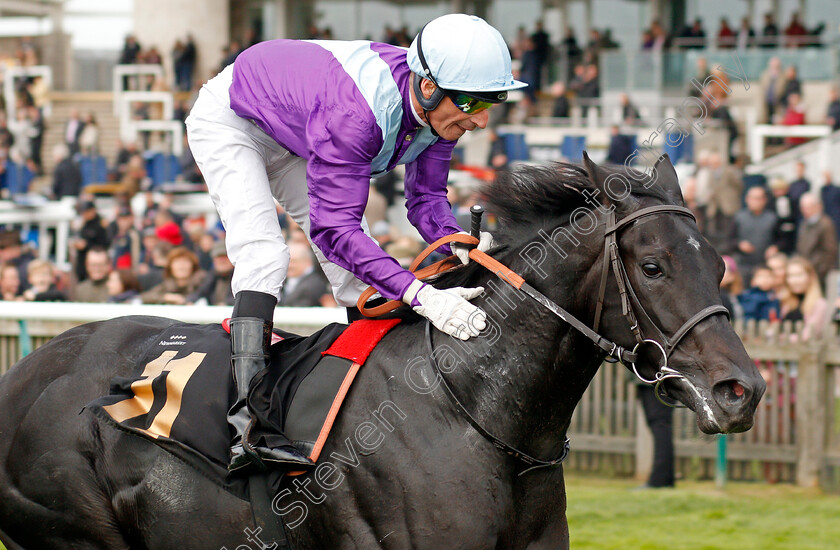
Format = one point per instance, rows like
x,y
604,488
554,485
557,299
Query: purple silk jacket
x,y
345,107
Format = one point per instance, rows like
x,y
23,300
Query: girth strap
x,y
531,462
270,528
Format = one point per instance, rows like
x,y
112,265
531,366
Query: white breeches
x,y
244,169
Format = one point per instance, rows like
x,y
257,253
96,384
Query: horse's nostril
x,y
730,393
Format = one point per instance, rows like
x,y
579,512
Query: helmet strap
x,y
427,104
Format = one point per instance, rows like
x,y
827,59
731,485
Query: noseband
x,y
631,306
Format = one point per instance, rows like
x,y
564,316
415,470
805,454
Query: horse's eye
x,y
651,270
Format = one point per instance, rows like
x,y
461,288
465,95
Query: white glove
x,y
448,309
485,243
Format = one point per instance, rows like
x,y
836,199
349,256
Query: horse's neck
x,y
524,378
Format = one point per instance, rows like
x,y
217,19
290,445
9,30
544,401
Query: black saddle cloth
x,y
180,393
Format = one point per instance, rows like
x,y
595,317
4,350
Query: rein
x,y
631,308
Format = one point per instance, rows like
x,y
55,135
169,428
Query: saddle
x,y
180,391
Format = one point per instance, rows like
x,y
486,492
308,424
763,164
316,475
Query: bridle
x,y
631,308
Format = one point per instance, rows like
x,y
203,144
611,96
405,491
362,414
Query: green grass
x,y
606,514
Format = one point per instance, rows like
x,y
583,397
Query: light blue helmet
x,y
462,52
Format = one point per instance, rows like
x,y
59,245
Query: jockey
x,y
308,123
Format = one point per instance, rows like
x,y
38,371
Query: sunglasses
x,y
471,104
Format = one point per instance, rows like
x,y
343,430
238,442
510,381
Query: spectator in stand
x,y
722,187
215,289
12,252
798,187
123,287
661,40
745,37
94,288
304,284
731,285
41,277
721,115
89,138
569,50
591,87
697,34
91,234
10,283
832,117
184,63
689,192
150,273
830,196
167,229
529,71
817,238
67,177
6,137
22,131
773,84
190,171
151,56
181,277
607,40
629,112
794,116
621,147
230,54
759,302
754,232
72,131
125,150
404,249
770,32
725,36
695,87
560,108
134,179
795,33
777,264
497,158
130,51
36,138
542,48
781,205
803,298
126,242
792,86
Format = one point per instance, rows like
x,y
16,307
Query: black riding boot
x,y
250,339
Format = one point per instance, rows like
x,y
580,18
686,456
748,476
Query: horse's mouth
x,y
729,407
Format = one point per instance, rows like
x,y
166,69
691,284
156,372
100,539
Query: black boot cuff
x,y
250,303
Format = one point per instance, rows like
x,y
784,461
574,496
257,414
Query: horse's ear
x,y
597,176
666,177
601,178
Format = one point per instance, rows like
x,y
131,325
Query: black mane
x,y
528,198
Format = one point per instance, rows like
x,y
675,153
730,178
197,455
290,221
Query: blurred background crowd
x,y
129,243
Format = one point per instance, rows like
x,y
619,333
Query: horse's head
x,y
672,274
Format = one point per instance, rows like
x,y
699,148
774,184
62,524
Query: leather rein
x,y
632,310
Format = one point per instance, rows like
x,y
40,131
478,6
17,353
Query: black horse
x,y
404,468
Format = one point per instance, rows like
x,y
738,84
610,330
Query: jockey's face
x,y
448,120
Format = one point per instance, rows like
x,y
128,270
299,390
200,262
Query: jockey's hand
x,y
485,243
448,310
